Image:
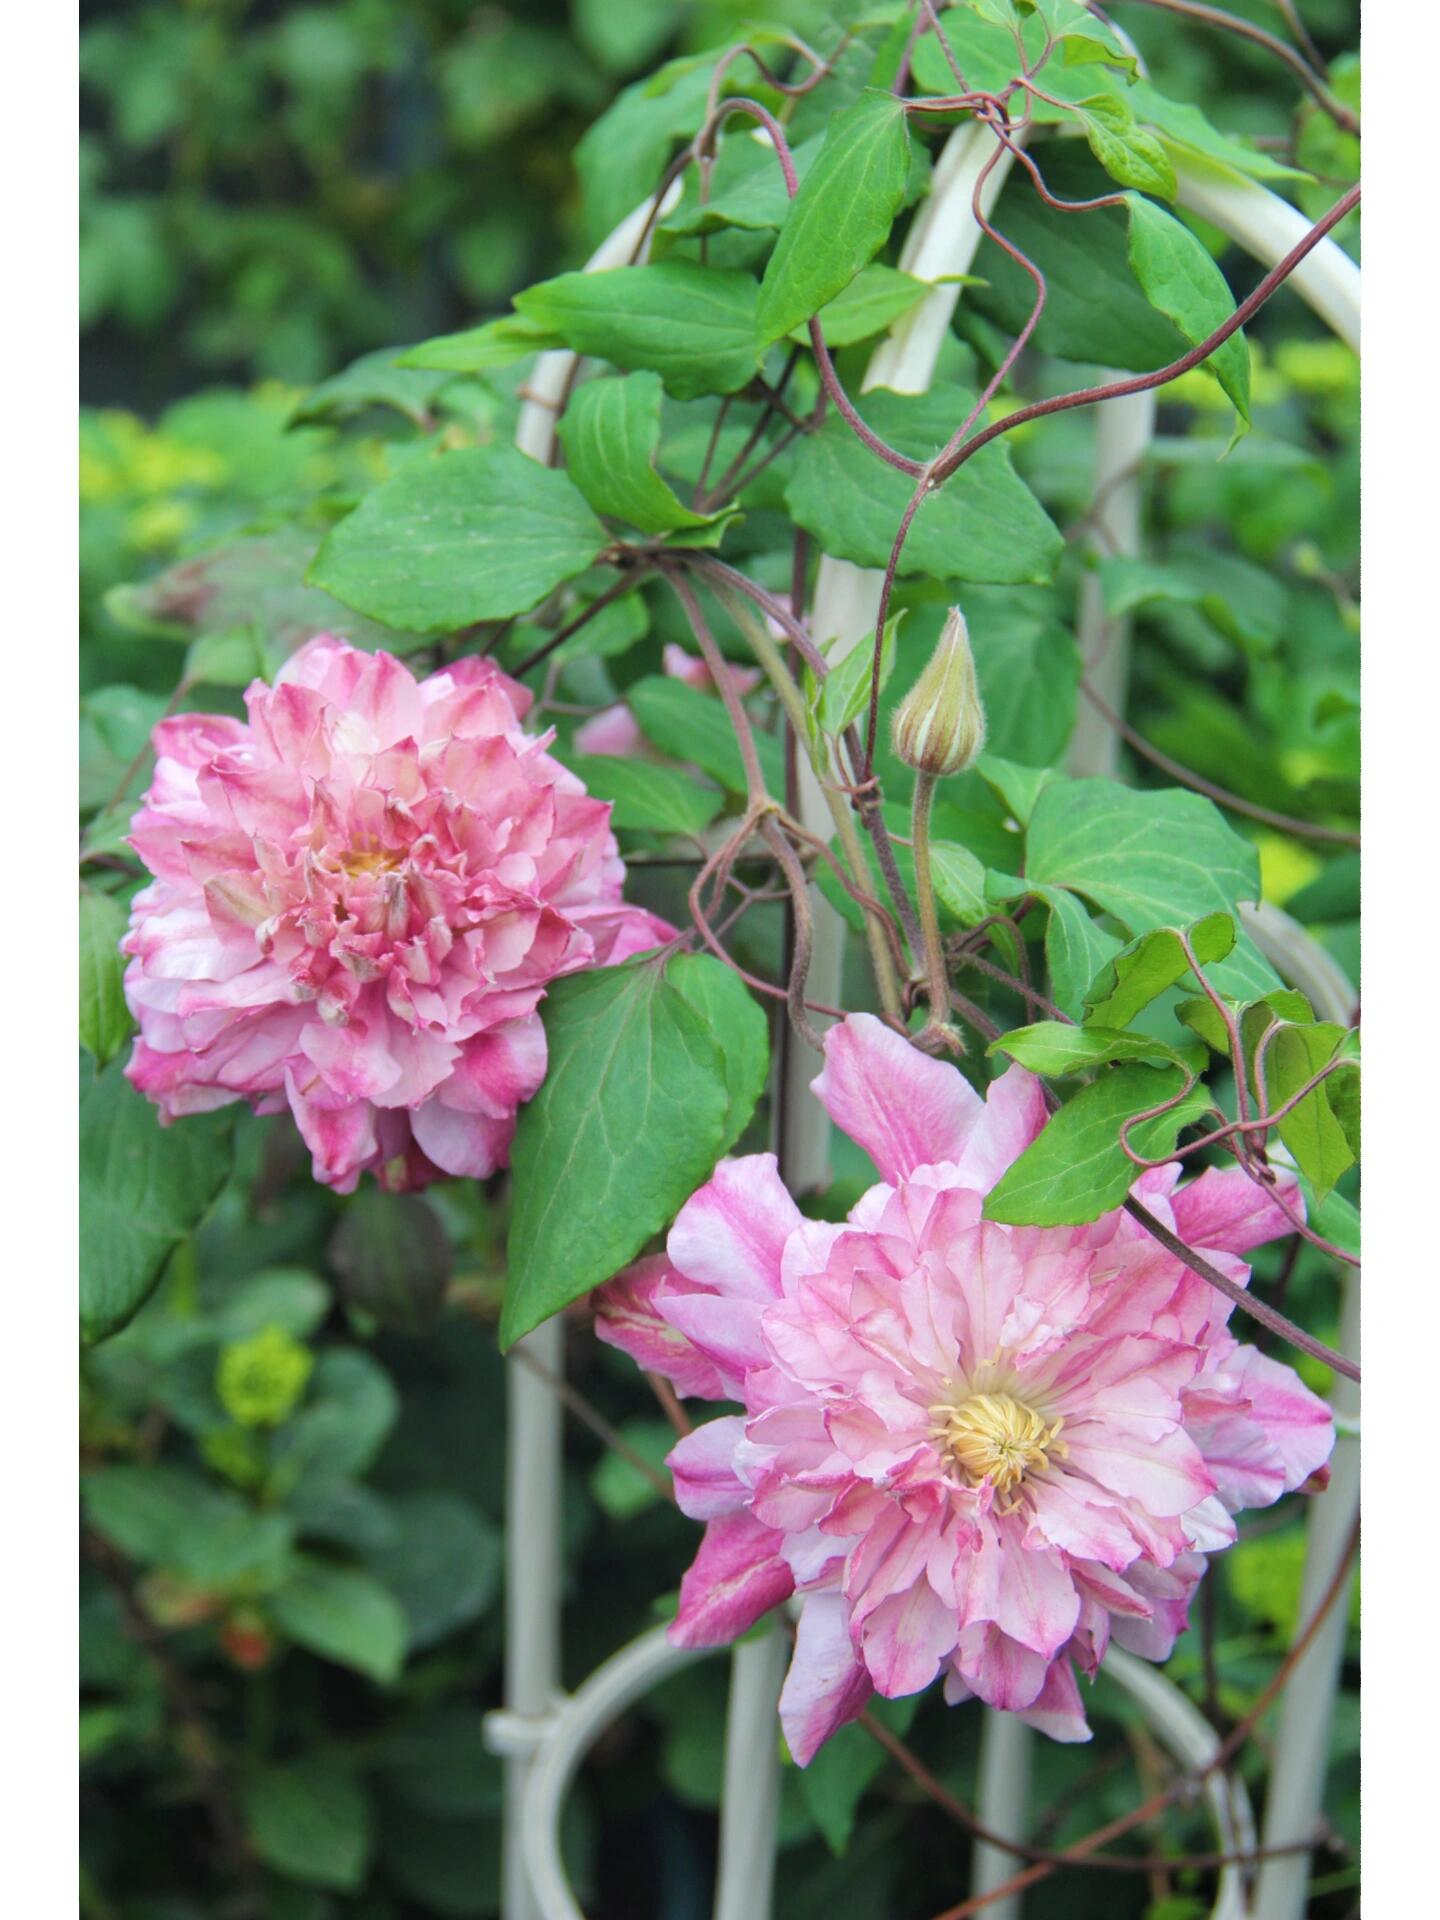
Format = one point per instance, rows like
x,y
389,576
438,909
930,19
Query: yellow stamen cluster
x,y
996,1437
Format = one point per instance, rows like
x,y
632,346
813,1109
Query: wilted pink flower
x,y
615,730
360,898
973,1449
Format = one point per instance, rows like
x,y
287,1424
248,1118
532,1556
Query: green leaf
x,y
284,1297
842,215
259,586
1076,1170
393,1258
1186,128
691,725
1181,279
478,534
387,378
1075,948
442,1563
634,1112
104,1017
1128,153
478,349
142,1191
1095,309
310,1821
351,1409
984,524
748,192
1246,603
343,1615
1084,50
844,694
1028,667
694,326
873,301
731,1014
232,658
1017,787
1150,965
1153,859
959,881
835,1781
1052,1047
1323,1129
163,1515
645,797
618,1486
621,156
610,431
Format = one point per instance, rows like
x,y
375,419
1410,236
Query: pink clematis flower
x,y
973,1450
360,897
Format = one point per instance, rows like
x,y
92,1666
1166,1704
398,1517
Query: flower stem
x,y
768,654
939,1030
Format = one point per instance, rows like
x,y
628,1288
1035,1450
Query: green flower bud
x,y
939,727
260,1380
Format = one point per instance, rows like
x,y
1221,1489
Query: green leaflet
x,y
693,325
640,1100
611,432
842,214
478,534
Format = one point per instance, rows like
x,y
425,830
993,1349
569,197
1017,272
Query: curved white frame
x,y
628,1675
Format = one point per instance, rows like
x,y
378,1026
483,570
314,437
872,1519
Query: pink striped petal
x,y
737,1575
732,1234
826,1686
1225,1208
702,1465
905,1109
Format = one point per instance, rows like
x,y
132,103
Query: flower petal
x,y
737,1575
905,1109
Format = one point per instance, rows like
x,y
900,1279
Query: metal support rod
x,y
577,1723
750,1804
1002,1803
1327,279
1301,1756
1123,429
533,1560
534,1437
1179,1723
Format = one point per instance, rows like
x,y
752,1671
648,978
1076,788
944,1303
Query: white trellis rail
x,y
542,1735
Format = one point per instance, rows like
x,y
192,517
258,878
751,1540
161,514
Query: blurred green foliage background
x,y
293,1458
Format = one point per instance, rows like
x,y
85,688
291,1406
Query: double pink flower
x,y
360,898
973,1449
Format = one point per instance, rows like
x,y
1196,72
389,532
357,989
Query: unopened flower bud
x,y
939,726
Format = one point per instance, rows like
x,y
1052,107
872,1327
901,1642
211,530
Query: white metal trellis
x,y
543,1736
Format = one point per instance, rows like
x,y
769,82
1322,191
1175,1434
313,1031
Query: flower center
x,y
996,1437
370,860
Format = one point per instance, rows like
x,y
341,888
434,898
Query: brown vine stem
x,y
957,1810
613,592
952,459
1232,802
1312,82
590,1416
1260,1310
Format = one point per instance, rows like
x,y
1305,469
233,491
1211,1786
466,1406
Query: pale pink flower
x,y
974,1450
615,730
360,897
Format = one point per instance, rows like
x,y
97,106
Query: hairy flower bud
x,y
939,726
